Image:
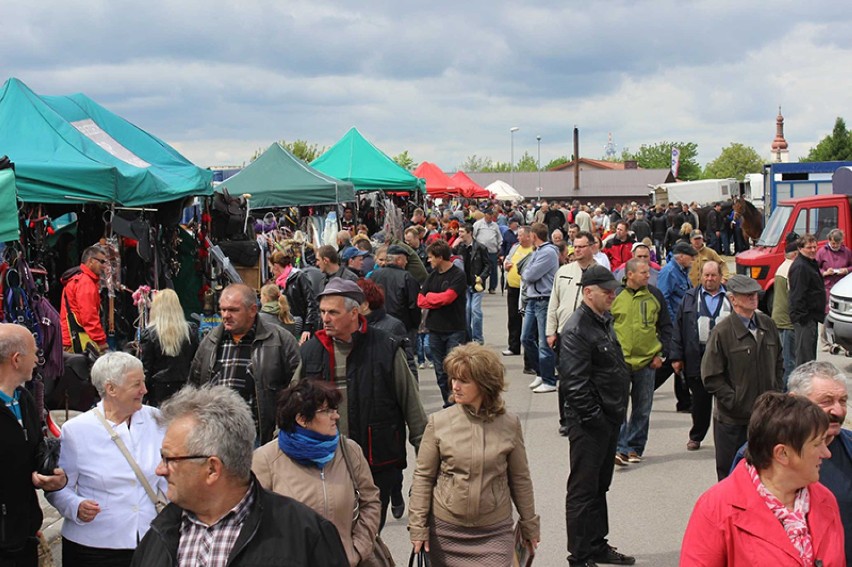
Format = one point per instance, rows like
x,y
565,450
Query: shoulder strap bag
x,y
157,498
381,556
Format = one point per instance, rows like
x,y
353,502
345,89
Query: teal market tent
x,y
279,179
69,149
9,227
355,159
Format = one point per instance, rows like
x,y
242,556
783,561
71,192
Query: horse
x,y
752,220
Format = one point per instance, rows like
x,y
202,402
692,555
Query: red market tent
x,y
468,187
438,183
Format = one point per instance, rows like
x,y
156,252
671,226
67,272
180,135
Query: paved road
x,y
649,503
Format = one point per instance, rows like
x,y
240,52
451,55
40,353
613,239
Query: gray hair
x,y
349,304
801,378
113,368
224,427
836,235
246,293
91,252
12,341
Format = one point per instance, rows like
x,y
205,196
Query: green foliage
x,y
837,146
404,160
476,164
735,161
526,163
556,161
659,156
300,148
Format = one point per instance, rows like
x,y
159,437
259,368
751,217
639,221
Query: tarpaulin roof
x,y
70,149
504,191
438,183
355,159
468,187
279,179
9,227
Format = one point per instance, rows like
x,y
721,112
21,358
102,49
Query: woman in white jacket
x,y
107,510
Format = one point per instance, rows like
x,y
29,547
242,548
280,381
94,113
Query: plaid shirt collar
x,y
201,544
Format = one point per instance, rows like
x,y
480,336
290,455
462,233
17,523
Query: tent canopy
x,y
9,227
468,187
504,192
438,183
279,179
355,159
70,149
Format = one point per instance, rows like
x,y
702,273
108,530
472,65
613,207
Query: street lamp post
x,y
538,165
512,131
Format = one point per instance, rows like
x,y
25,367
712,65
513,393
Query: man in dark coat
x,y
806,298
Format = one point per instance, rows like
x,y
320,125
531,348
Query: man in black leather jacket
x,y
594,379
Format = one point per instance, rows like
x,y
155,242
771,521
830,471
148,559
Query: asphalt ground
x,y
649,502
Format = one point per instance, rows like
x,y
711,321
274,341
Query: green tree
x,y
499,167
526,163
659,156
404,160
837,146
475,164
556,161
735,161
302,149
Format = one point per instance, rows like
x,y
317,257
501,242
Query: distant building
x,y
779,144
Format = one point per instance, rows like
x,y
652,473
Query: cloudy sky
x,y
444,79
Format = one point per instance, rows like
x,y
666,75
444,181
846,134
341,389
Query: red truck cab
x,y
816,215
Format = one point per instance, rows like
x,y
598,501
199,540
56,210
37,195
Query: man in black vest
x,y
702,307
380,395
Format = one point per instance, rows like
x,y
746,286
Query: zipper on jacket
x,y
3,522
324,493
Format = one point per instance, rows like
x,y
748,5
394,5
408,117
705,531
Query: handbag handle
x,y
422,559
130,460
345,452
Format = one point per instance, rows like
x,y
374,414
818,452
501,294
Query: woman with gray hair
x,y
834,261
106,506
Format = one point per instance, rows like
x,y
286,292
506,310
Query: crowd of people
x,y
283,430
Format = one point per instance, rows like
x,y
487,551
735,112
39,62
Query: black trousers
x,y
592,456
516,320
388,482
24,556
806,342
681,390
77,555
728,440
702,409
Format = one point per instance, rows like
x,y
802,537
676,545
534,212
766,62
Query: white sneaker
x,y
544,389
536,383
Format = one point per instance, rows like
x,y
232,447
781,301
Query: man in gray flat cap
x,y
380,395
742,360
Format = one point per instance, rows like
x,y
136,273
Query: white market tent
x,y
504,192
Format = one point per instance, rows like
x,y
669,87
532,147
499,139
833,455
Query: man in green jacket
x,y
644,329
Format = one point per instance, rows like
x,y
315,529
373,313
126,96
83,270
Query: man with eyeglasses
x,y
219,515
80,312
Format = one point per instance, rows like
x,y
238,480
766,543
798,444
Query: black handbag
x,y
47,456
422,559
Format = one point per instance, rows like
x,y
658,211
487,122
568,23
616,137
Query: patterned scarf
x,y
795,523
308,447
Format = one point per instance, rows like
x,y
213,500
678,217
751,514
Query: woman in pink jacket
x,y
771,510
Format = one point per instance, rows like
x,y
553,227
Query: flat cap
x,y
346,288
741,284
599,276
684,248
397,250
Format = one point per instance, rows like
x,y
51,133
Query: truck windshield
x,y
775,227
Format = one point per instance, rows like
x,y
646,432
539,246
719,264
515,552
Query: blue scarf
x,y
308,447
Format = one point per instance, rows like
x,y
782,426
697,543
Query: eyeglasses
x,y
576,246
101,260
168,460
329,411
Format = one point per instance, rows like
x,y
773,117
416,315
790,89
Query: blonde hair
x,y
272,292
475,363
167,319
685,228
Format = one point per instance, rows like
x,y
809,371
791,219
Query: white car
x,y
838,323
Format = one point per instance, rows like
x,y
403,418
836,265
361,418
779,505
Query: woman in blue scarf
x,y
307,463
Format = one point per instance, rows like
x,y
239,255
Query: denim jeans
x,y
788,350
492,273
422,343
474,315
535,319
440,343
634,431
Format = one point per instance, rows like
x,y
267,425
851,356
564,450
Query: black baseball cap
x,y
599,276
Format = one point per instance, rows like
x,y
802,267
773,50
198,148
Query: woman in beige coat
x,y
471,467
307,464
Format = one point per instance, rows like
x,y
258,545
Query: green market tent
x,y
279,179
69,149
9,227
355,159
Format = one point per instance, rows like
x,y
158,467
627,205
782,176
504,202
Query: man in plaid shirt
x,y
219,515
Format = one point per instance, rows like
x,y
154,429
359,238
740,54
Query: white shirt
x,y
601,259
97,470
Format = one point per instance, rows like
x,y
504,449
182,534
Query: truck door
x,y
818,221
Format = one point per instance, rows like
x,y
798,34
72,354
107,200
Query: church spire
x,y
779,144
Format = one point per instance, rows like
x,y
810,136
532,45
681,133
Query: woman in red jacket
x,y
771,510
